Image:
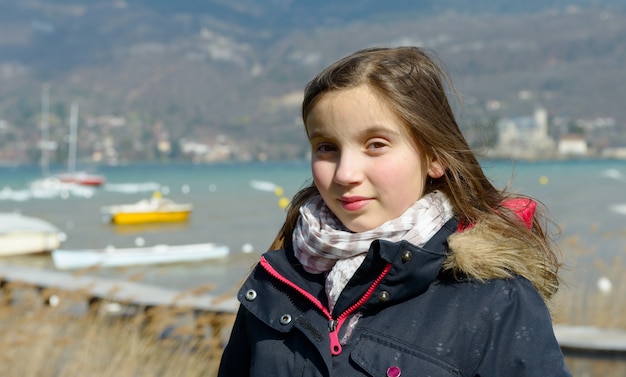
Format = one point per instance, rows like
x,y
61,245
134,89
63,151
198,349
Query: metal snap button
x,y
383,296
285,319
251,295
406,256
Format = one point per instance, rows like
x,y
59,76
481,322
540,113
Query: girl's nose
x,y
349,170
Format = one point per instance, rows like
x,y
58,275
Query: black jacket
x,y
414,320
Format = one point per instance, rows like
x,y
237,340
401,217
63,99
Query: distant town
x,y
113,140
536,136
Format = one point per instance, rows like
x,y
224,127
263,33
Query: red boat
x,y
82,178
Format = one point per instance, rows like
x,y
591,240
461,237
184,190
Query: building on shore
x,y
524,137
573,145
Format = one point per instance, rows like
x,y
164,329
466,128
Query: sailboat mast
x,y
45,129
71,164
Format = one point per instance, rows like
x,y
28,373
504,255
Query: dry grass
x,y
74,339
69,340
587,301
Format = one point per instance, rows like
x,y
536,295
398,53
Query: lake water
x,y
587,199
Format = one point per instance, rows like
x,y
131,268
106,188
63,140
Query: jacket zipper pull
x,y
335,346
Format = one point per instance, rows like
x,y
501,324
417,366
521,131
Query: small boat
x,y
52,187
72,176
619,208
21,234
114,257
153,210
82,178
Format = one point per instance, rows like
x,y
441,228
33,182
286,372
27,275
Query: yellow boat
x,y
153,210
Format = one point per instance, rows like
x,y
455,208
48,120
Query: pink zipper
x,y
333,324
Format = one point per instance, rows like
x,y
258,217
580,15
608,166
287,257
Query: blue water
x,y
581,196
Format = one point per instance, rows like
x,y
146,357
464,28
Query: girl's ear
x,y
435,168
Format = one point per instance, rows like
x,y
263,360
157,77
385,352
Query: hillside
x,y
198,69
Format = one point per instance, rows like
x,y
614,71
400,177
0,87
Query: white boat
x,y
619,208
53,187
113,257
21,234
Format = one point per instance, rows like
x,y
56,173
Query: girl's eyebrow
x,y
315,134
368,132
378,130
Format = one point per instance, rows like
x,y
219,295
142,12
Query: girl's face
x,y
364,163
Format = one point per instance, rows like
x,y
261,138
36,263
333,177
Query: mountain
x,y
148,71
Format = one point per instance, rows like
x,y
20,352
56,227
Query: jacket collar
x,y
413,269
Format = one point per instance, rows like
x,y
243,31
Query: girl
x,y
401,258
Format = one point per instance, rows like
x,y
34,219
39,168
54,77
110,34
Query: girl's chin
x,y
359,226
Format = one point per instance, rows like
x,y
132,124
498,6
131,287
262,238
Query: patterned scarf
x,y
322,244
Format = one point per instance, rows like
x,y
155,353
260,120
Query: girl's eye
x,y
325,148
376,144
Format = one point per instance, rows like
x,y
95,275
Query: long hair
x,y
415,87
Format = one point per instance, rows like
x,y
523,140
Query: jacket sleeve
x,y
521,342
235,360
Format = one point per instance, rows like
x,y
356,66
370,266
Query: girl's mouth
x,y
354,203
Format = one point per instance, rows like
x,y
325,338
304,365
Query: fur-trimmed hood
x,y
481,253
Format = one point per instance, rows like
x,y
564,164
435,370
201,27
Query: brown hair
x,y
415,88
